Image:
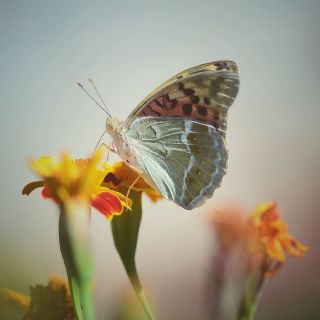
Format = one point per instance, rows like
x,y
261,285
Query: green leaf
x,y
125,231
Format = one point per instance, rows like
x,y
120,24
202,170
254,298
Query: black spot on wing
x,y
180,86
188,92
202,110
195,99
158,103
221,65
207,100
173,103
187,109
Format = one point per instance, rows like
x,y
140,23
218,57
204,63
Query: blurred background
x,y
128,48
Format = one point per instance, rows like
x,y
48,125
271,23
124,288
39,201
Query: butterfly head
x,y
111,125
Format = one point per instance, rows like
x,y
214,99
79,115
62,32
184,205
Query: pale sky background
x,y
128,48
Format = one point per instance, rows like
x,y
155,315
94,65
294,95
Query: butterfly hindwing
x,y
183,159
203,93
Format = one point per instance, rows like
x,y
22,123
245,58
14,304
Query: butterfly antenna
x,y
93,99
99,95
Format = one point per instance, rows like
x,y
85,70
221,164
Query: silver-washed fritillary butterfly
x,y
175,138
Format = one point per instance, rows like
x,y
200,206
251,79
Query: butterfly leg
x,y
109,147
131,186
102,135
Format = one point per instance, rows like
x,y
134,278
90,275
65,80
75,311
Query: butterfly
x,y
175,138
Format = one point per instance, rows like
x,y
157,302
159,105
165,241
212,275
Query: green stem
x,y
252,298
75,250
248,313
136,284
88,310
75,294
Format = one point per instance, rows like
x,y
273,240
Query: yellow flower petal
x,y
20,300
45,167
71,179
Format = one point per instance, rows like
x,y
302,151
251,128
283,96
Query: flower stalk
x,y
75,249
251,298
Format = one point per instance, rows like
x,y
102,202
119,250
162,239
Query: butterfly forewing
x,y
183,159
203,93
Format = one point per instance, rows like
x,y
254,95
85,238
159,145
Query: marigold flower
x,y
263,234
122,175
272,232
78,180
52,301
250,250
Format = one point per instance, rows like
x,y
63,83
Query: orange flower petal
x,y
153,195
46,192
275,249
107,203
294,247
121,174
273,232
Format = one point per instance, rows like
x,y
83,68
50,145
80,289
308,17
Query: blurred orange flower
x,y
270,230
263,234
78,180
251,248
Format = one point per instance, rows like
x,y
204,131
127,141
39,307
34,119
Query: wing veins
x,y
161,157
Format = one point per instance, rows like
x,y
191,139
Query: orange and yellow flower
x,y
70,179
250,249
52,301
122,175
268,229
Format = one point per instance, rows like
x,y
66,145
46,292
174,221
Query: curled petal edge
x,y
32,186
